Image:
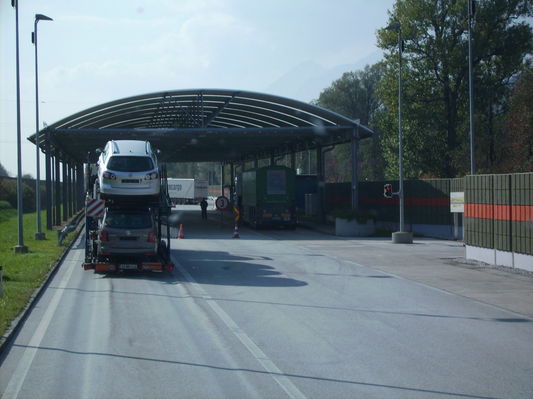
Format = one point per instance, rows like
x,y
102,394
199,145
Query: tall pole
x,y
400,237
400,133
355,177
471,88
39,235
20,248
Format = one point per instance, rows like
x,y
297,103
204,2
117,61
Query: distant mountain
x,y
306,81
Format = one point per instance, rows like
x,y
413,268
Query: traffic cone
x,y
181,233
236,232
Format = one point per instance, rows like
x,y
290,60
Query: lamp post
x,y
400,237
20,248
39,235
471,87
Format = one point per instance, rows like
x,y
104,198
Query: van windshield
x,y
128,220
130,164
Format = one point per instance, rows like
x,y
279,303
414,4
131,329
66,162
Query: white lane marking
x,y
17,379
284,382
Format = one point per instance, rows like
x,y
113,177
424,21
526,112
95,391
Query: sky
x,y
100,50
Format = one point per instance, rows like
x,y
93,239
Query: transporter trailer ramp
x,y
160,209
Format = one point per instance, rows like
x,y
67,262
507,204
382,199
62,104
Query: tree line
x,y
435,89
435,106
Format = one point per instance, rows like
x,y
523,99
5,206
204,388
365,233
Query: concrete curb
x,y
17,323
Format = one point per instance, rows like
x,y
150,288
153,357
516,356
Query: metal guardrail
x,y
61,234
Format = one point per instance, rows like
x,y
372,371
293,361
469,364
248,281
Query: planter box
x,y
350,228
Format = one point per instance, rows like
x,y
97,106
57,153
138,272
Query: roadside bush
x,y
8,193
5,205
28,198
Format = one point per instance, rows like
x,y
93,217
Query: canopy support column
x,y
293,160
64,195
321,184
79,187
355,177
57,193
48,174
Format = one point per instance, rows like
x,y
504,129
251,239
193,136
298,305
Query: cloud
x,y
207,50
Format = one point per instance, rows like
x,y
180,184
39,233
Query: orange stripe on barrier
x,y
522,213
515,213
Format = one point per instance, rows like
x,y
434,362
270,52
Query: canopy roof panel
x,y
202,125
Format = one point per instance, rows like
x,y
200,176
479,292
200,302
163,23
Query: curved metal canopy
x,y
202,125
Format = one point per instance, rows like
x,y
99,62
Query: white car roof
x,y
131,147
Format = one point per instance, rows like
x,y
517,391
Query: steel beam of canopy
x,y
219,144
221,108
202,125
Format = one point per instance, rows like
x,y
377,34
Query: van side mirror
x,y
98,151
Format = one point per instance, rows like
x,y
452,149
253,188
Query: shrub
x,y
5,205
8,193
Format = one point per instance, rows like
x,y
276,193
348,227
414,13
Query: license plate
x,y
128,266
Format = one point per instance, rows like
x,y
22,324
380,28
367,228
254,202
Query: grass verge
x,y
23,273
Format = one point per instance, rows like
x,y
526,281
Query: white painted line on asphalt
x,y
284,382
17,379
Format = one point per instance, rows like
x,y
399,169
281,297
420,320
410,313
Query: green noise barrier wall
x,y
499,212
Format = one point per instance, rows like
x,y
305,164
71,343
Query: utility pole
x,y
471,11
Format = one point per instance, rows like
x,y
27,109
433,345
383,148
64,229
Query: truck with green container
x,y
266,197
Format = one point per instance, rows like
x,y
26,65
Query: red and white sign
x,y
94,207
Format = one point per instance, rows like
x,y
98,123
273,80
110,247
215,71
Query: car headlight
x,y
151,176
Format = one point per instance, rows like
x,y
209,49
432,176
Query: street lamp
x,y
400,237
39,235
471,11
20,248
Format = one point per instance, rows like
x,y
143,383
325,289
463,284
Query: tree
x,y
354,96
3,171
517,143
435,106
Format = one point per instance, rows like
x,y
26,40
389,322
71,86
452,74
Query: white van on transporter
x,y
128,168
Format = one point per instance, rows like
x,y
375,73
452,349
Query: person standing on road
x,y
203,205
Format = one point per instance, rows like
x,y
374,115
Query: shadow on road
x,y
223,268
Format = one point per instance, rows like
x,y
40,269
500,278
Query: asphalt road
x,y
274,314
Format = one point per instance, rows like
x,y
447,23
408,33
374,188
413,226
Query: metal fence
x,y
499,212
498,208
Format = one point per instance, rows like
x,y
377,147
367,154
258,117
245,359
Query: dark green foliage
x,y
435,82
517,141
354,95
8,193
5,205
